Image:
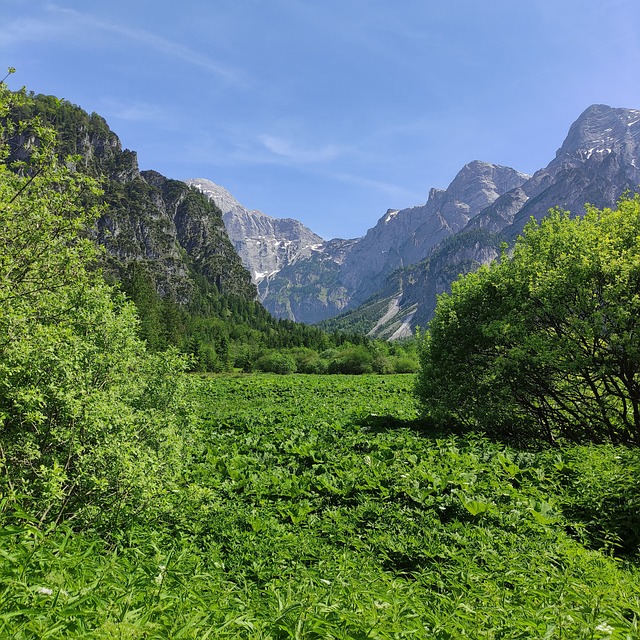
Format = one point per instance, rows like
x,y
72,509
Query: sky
x,y
329,111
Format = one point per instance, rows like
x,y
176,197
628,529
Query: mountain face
x,y
405,237
265,244
342,274
598,161
169,230
386,282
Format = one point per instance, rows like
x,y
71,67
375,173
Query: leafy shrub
x,y
309,361
89,422
352,360
602,493
276,362
382,364
545,343
405,365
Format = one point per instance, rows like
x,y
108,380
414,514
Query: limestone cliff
x,y
171,230
598,162
265,244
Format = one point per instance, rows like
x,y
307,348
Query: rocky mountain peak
x,y
265,244
222,198
601,130
478,184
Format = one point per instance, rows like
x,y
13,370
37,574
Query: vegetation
x,y
87,422
319,507
545,343
138,501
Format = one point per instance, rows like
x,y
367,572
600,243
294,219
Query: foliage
x,y
546,342
88,428
276,362
602,489
354,360
138,502
318,507
372,357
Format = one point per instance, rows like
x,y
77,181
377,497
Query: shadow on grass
x,y
422,426
428,428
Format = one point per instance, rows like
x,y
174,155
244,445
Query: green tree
x,y
352,360
140,288
90,426
545,342
276,362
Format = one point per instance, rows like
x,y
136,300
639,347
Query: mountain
x,y
342,274
176,238
597,163
162,227
165,245
264,244
405,237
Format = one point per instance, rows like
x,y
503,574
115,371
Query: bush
x,y
352,360
405,365
545,343
382,364
276,362
90,424
602,493
309,361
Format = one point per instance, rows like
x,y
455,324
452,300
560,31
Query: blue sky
x,y
329,111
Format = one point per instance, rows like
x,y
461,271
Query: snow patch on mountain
x,y
265,244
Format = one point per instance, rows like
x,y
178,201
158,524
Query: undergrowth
x,y
321,507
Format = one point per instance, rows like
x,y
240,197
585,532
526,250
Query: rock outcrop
x,y
265,244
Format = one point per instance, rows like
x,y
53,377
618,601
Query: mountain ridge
x,y
411,255
162,226
596,164
312,280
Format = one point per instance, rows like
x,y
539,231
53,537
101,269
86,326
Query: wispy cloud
x,y
325,161
32,30
388,188
62,22
287,150
135,111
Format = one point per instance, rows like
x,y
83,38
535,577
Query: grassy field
x,y
321,507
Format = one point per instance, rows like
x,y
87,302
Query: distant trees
x,y
545,343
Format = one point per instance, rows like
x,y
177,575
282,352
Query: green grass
x,y
321,507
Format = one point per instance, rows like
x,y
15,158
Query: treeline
x,y
225,333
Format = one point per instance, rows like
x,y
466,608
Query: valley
x,y
176,462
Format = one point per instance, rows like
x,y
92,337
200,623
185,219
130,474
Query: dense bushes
x,y
377,357
276,362
545,343
90,429
602,491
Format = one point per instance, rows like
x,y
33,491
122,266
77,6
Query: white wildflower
x,y
605,628
163,571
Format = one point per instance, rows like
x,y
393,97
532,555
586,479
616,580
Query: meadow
x,y
323,507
